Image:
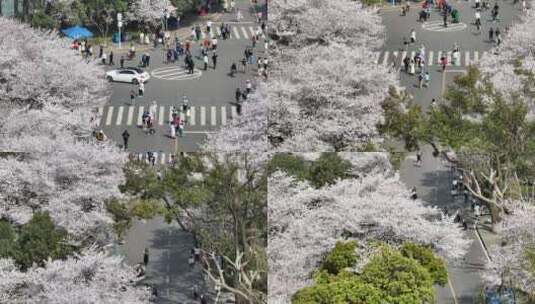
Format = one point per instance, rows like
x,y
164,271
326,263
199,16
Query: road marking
x,y
413,53
162,159
253,32
140,116
213,116
430,61
235,31
482,245
223,116
171,114
130,115
233,112
244,33
476,57
192,116
203,116
385,58
449,58
484,54
110,114
403,55
161,115
467,58
439,56
452,291
119,116
438,26
100,113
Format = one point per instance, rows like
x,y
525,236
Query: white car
x,y
130,75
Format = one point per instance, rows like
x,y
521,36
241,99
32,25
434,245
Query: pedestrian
x,y
443,62
405,43
121,62
125,135
406,62
233,69
172,130
244,64
191,261
100,51
433,103
412,68
477,211
418,158
232,5
181,128
205,60
214,43
154,291
197,254
248,86
238,95
238,15
491,35
253,41
420,80
203,299
141,88
103,58
193,34
497,33
214,59
132,97
195,292
146,257
413,36
523,5
445,19
427,78
111,58
465,225
414,195
147,58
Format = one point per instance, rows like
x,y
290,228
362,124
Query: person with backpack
x,y
125,135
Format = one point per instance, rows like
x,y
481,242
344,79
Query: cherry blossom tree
x,y
512,256
248,131
305,223
90,277
325,88
150,12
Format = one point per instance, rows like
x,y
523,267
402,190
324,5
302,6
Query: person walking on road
x,y
418,162
214,59
445,18
132,97
205,60
478,19
413,36
237,96
125,135
248,86
103,57
443,62
233,69
121,62
111,58
491,34
146,257
141,88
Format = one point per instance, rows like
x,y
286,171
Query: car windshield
x,y
137,70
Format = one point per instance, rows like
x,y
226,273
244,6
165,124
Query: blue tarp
x,y
77,32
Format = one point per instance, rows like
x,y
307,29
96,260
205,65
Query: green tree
x,y
39,240
8,238
328,168
400,279
290,163
340,257
352,290
425,256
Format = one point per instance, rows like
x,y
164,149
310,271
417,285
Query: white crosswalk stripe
x,y
205,115
253,32
244,31
386,58
160,158
235,32
175,73
438,26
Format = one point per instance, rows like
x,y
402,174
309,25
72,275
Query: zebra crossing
x,y
238,32
160,158
438,26
466,58
203,116
175,73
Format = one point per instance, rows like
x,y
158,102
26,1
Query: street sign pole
x,y
119,25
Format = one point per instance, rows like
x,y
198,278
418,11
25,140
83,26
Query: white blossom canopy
x,y
305,223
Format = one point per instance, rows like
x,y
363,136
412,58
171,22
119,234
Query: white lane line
x,y
403,55
110,114
476,57
244,33
439,56
485,53
100,113
130,116
203,116
236,34
413,53
449,58
233,112
223,115
253,32
140,116
430,61
213,116
161,115
195,75
119,116
162,159
171,114
467,58
385,59
192,116
170,73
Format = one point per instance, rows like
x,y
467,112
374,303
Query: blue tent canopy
x,y
77,32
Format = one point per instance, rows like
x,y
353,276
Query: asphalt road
x,y
433,178
211,95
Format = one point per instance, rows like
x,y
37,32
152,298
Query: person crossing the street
x,y
491,34
205,60
125,135
132,97
214,59
233,69
413,36
443,62
478,19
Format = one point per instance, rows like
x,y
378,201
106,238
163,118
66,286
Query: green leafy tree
x,y
39,240
340,257
8,238
290,163
425,256
352,290
328,168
